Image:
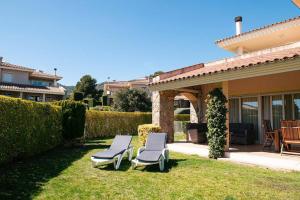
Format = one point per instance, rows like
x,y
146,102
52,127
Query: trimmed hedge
x,y
27,128
106,123
182,117
145,129
73,118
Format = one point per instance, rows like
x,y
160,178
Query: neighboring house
x,y
110,88
27,83
262,81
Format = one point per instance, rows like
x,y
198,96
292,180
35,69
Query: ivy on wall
x,y
216,123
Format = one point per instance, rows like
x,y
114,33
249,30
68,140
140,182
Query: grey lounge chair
x,y
154,152
115,153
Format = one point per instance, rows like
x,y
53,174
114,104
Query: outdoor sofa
x,y
241,133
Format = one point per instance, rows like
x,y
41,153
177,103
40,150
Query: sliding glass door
x,y
250,112
297,105
234,110
288,107
277,105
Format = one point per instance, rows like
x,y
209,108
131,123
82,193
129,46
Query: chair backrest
x,y
289,123
121,142
267,126
290,133
156,141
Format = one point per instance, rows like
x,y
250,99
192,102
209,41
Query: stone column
x,y
194,111
225,88
21,95
44,97
163,112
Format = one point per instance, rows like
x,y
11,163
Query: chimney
x,y
55,81
238,25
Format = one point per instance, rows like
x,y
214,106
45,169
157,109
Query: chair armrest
x,y
140,150
165,153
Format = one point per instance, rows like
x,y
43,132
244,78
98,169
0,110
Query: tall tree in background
x,y
131,100
87,85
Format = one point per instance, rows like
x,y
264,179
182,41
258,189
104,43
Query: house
x,y
261,81
110,88
27,83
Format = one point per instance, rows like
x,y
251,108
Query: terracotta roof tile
x,y
6,64
258,29
235,63
31,88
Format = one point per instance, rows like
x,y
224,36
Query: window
x,y
250,112
7,77
288,106
39,83
277,111
297,106
234,110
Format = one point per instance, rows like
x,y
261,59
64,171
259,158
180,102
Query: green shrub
x,y
216,123
104,100
145,129
182,117
73,118
78,96
91,102
106,123
27,128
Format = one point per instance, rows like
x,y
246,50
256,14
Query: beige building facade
x,y
261,82
27,83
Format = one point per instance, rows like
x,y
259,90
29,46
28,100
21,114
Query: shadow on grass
x,y
24,179
155,168
126,165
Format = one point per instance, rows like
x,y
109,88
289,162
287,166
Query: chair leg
x,y
161,164
130,153
167,155
133,165
117,162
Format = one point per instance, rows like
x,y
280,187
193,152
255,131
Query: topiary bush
x,y
216,123
145,129
27,128
107,123
73,118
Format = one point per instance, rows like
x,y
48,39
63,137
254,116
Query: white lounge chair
x,y
154,152
119,148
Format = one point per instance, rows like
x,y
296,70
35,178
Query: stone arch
x,y
194,106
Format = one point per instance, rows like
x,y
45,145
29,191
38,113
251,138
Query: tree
x,y
131,100
156,74
87,85
216,123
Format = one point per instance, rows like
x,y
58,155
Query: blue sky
x,y
125,39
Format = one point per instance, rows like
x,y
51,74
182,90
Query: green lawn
x,y
66,173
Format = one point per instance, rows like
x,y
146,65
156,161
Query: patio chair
x,y
120,146
268,134
290,136
154,152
